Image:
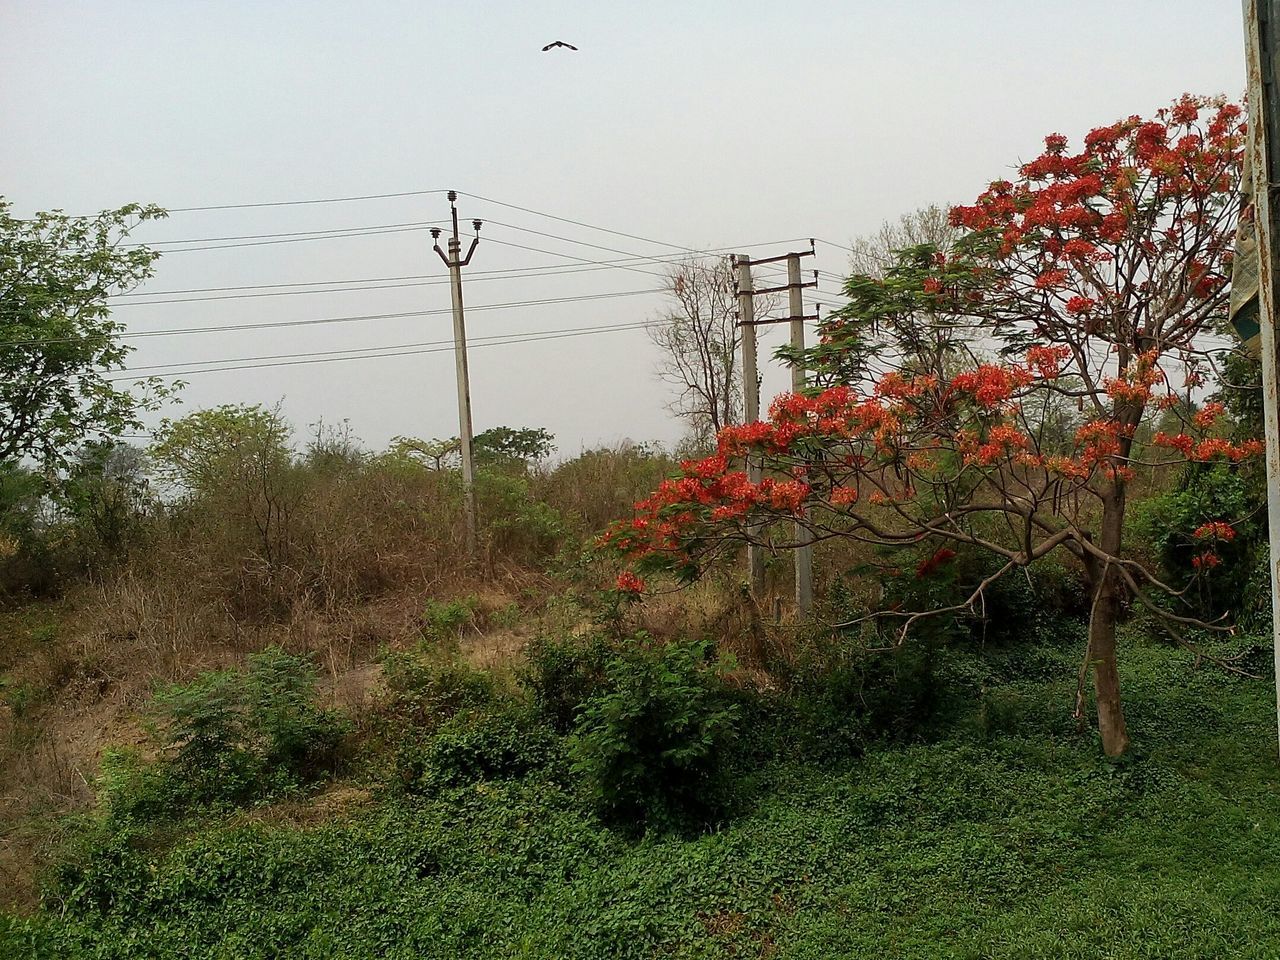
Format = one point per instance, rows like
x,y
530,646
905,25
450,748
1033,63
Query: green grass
x,y
1019,844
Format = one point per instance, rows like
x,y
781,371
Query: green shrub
x,y
471,747
516,523
1205,493
228,737
423,691
651,745
846,695
561,674
444,620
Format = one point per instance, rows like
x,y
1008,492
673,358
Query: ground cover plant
x,y
1008,835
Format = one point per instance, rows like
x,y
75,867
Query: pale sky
x,y
707,125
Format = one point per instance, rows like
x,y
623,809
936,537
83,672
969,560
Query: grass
x,y
1008,839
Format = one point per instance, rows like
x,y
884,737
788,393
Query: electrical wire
x,y
374,356
576,223
332,235
301,234
299,203
377,350
386,283
274,324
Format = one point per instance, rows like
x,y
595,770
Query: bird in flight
x,y
558,43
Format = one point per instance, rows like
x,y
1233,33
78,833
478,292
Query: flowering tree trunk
x,y
1097,277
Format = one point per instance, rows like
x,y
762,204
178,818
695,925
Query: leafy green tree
x,y
57,338
514,445
209,449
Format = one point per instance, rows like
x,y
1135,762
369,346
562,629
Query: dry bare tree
x,y
700,341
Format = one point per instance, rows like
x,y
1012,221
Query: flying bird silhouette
x,y
558,43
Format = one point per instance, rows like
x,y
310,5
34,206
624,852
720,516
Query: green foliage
x,y
563,673
56,275
106,497
1205,493
515,521
449,725
514,447
28,564
423,691
846,696
476,747
652,744
232,447
20,697
228,737
444,620
1010,846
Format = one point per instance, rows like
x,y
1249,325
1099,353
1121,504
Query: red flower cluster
x,y
1205,561
992,385
628,582
1047,361
1208,449
1002,442
1215,530
1068,206
1208,415
930,564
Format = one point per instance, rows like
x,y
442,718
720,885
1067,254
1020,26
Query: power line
x,y
234,328
377,350
301,234
299,203
331,235
838,246
569,256
578,223
374,356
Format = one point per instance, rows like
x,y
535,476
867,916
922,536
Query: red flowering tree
x,y
1091,283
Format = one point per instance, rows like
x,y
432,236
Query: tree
x,y
236,461
700,339
57,338
931,226
927,335
505,446
495,447
1099,273
218,447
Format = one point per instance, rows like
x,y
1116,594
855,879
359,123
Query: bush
x,y
1207,493
846,695
651,745
444,620
563,674
424,691
228,736
471,747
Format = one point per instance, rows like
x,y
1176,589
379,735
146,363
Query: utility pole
x,y
750,409
1262,47
804,537
455,262
751,405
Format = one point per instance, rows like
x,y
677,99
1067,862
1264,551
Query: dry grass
x,y
346,571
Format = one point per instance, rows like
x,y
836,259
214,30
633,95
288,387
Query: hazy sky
x,y
704,124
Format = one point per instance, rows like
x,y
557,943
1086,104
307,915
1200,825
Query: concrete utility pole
x,y
1262,48
455,262
804,553
751,405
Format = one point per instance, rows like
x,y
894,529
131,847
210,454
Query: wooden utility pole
x,y
751,403
1262,49
750,408
455,262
